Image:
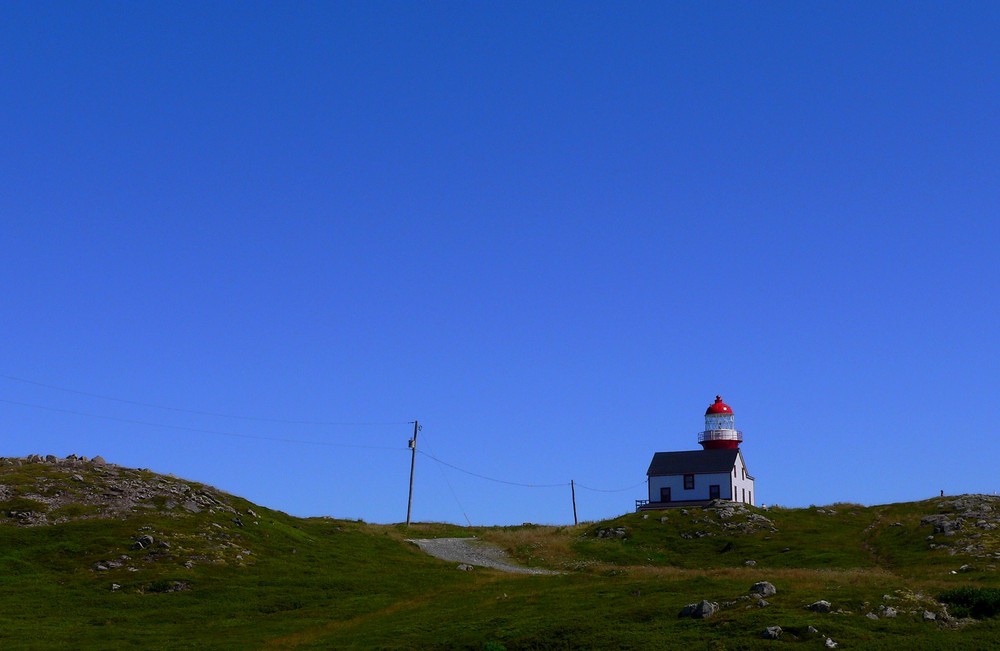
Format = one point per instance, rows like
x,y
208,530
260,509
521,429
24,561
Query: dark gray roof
x,y
692,462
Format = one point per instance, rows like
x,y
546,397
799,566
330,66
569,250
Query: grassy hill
x,y
98,556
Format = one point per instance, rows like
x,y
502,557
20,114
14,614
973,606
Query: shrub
x,y
973,602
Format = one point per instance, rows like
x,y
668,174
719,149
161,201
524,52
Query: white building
x,y
692,477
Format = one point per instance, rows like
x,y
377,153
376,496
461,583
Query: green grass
x,y
280,582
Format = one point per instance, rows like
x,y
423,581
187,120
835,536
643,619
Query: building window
x,y
713,492
688,482
665,494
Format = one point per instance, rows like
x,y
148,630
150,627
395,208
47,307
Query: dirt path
x,y
473,552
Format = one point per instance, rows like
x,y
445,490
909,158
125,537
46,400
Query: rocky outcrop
x,y
75,488
964,522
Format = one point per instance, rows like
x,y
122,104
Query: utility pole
x,y
413,464
572,488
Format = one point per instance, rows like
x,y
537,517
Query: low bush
x,y
973,602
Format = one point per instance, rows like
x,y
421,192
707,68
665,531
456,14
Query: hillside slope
x,y
94,555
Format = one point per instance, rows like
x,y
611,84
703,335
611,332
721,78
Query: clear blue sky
x,y
551,232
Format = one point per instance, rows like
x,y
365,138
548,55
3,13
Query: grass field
x,y
233,575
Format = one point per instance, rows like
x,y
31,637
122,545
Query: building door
x,y
665,494
713,491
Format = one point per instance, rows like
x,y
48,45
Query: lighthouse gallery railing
x,y
720,435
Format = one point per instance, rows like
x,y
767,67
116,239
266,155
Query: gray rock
x,y
942,523
115,586
772,632
750,563
617,532
143,542
830,644
821,606
929,616
871,616
700,610
763,588
464,567
811,630
887,611
98,461
763,603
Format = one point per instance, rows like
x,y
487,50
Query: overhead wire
x,y
193,411
198,430
452,490
615,490
137,403
493,479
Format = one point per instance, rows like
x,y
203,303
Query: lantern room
x,y
720,428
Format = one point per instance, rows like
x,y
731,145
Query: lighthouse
x,y
696,477
720,431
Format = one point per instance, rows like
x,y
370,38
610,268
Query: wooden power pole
x,y
572,488
413,464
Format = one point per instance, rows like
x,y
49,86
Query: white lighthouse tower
x,y
720,428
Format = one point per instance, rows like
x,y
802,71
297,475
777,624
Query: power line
x,y
192,411
616,490
132,421
452,490
493,479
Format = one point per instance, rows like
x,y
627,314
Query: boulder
x,y
616,532
700,610
143,542
830,644
821,606
942,523
772,632
763,588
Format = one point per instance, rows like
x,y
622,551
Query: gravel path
x,y
473,552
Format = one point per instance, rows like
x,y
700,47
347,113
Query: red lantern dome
x,y
718,407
